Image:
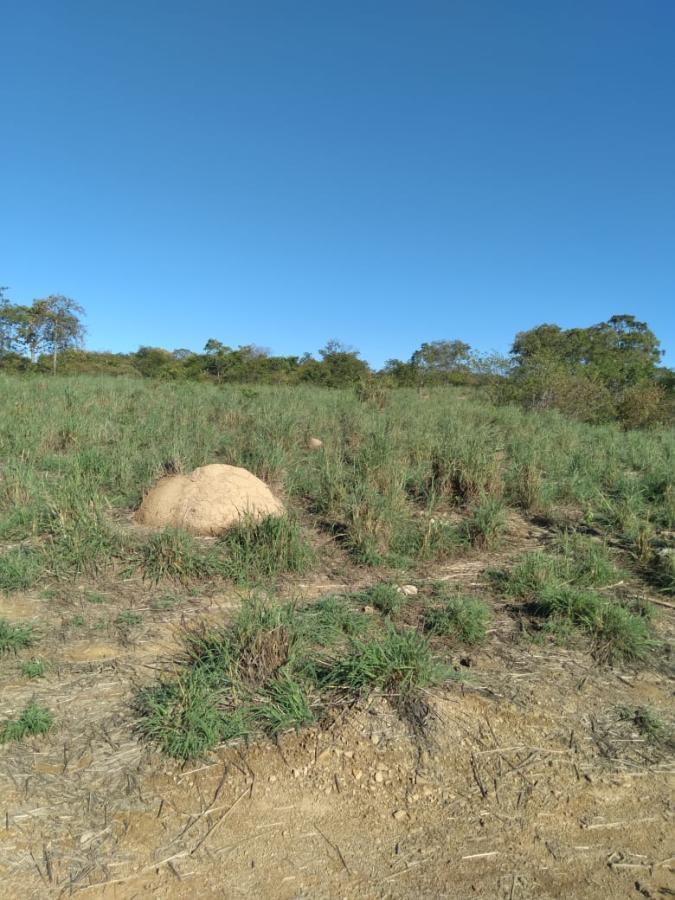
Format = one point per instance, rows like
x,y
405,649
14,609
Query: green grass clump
x,y
398,662
14,636
561,588
34,719
128,618
618,634
79,538
464,618
486,524
182,715
584,560
286,704
258,551
332,620
279,667
33,668
20,568
173,553
385,597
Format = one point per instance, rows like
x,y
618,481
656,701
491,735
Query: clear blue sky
x,y
280,172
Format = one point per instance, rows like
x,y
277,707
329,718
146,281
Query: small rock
x,y
314,443
272,779
375,738
324,755
358,774
295,773
408,589
349,754
369,610
400,815
379,777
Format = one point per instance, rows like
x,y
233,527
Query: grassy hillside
x,y
459,595
405,478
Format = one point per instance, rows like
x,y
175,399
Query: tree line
x,y
606,371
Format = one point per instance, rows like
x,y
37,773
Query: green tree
x,y
216,353
442,357
619,353
341,365
60,324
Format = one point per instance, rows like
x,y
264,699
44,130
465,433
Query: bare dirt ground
x,y
526,783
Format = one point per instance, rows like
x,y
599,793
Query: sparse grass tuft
x,y
486,523
14,636
20,568
385,597
648,723
34,719
33,668
128,618
464,618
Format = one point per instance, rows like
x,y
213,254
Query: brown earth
x,y
526,783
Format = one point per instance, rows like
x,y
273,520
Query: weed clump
x,y
562,589
464,618
15,636
33,668
279,667
34,719
173,553
387,598
264,549
20,568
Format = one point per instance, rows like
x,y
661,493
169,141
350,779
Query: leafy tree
x,y
620,352
341,366
59,324
7,324
442,357
216,352
50,325
404,374
154,362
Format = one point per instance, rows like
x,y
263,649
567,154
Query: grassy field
x,y
504,529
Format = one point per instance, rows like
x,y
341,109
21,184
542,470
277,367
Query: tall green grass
x,y
79,453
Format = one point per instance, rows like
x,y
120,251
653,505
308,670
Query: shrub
x,y
643,405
